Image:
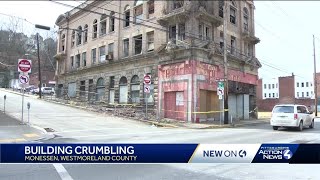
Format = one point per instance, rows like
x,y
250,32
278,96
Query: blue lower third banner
x,y
160,153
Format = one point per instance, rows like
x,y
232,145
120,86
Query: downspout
x,y
119,40
66,50
243,106
118,53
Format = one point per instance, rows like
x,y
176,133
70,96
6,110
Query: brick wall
x,y
286,89
268,104
259,89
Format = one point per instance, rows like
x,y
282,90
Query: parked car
x,y
291,115
44,90
47,90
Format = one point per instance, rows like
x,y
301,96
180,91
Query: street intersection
x,y
74,125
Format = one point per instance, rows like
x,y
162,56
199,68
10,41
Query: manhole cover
x,y
49,129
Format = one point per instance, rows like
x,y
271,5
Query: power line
x,y
90,11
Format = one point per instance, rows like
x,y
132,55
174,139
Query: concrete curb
x,y
217,126
18,93
39,128
159,124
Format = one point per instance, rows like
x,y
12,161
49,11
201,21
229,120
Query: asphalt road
x,y
75,125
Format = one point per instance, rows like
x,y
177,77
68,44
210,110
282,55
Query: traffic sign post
x,y
23,79
28,106
220,93
147,82
24,65
4,103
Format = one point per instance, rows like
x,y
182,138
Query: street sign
x,y
24,79
147,89
220,91
221,85
147,79
220,97
24,65
222,80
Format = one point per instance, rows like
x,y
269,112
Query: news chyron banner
x,y
160,153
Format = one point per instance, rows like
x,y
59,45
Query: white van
x,y
291,115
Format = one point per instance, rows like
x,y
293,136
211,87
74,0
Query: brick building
x,y
106,48
288,89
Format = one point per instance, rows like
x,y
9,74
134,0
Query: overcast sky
x,y
285,29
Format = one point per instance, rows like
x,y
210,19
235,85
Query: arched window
x,y
245,19
135,89
63,41
79,35
111,23
73,37
103,24
123,85
95,29
100,89
126,16
85,37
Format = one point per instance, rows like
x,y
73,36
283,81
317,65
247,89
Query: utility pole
x,y
39,68
225,62
315,80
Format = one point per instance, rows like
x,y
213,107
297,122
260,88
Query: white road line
x,y
63,173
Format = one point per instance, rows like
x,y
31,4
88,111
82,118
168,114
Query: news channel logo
x,y
225,153
274,153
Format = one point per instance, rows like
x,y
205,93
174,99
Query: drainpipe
x,y
119,24
243,106
66,50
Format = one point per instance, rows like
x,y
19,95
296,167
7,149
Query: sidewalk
x,y
13,131
169,123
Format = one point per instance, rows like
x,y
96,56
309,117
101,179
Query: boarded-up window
x,y
111,90
100,89
82,88
123,90
111,96
135,89
91,90
72,89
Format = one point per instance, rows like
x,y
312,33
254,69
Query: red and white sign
x,y
24,79
24,65
147,79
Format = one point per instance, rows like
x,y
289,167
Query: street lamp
x,y
39,69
